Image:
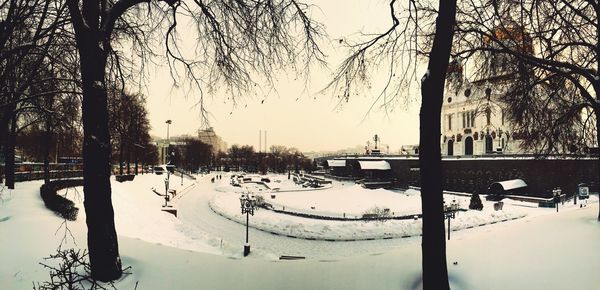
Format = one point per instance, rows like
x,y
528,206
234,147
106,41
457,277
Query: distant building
x,y
409,150
209,136
162,145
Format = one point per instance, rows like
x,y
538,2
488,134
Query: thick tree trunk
x,y
102,237
435,271
597,113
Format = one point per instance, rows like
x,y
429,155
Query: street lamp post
x,y
168,122
166,189
556,192
450,213
248,204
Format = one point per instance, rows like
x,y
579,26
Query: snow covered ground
x,y
347,200
543,250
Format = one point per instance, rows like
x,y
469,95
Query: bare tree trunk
x,y
102,237
435,271
9,151
136,160
128,158
4,141
47,143
121,156
597,115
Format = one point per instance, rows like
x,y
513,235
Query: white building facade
x,y
474,122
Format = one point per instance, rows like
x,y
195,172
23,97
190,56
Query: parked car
x,y
171,168
158,170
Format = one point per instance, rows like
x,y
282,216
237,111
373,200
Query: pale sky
x,y
294,117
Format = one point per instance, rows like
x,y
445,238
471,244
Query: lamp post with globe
x,y
248,204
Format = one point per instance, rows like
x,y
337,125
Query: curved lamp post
x,y
248,204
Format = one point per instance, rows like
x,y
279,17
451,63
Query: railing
x,y
54,174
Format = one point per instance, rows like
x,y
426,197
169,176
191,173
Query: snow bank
x,y
138,211
227,204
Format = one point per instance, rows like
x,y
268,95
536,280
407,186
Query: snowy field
x,y
201,250
346,200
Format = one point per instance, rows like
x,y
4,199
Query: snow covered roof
x,y
512,184
336,163
374,165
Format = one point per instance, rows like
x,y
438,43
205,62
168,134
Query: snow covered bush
x,y
59,204
475,202
376,214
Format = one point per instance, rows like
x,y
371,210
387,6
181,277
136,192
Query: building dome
x,y
512,35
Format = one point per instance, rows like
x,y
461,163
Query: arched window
x,y
469,145
450,147
489,144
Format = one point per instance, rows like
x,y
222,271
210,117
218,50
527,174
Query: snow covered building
x,y
375,169
337,167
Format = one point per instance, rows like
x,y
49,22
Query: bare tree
x,y
53,115
548,52
235,41
397,50
29,30
194,154
129,125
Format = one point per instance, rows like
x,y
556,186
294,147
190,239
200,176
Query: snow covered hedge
x,y
59,204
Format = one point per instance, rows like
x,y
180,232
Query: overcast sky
x,y
295,116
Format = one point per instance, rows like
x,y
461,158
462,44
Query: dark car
x,y
158,170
